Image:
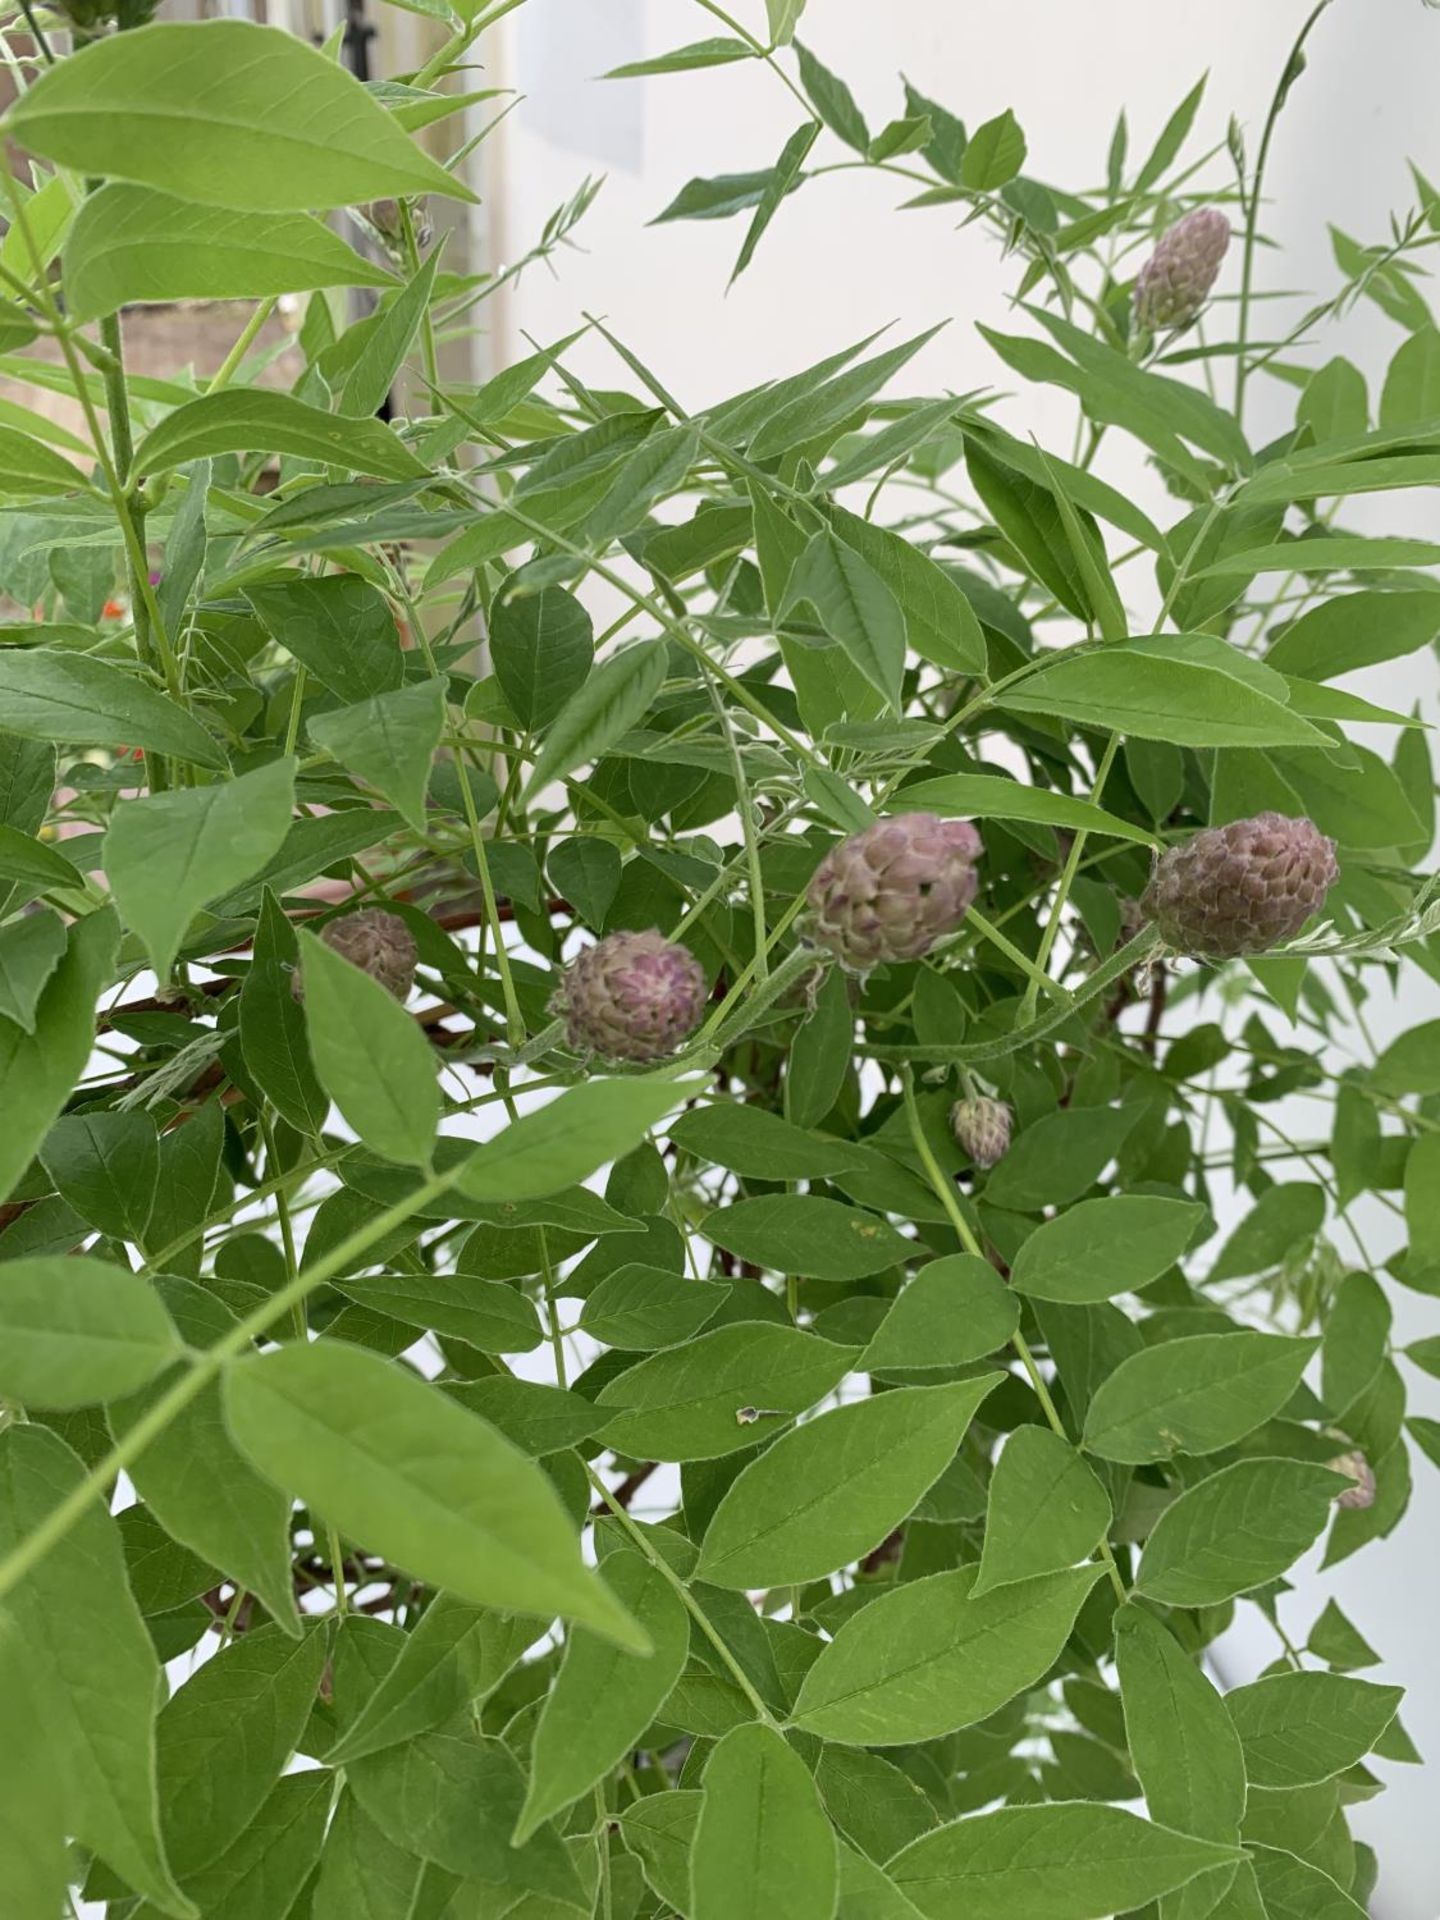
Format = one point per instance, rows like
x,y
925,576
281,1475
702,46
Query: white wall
x,y
838,262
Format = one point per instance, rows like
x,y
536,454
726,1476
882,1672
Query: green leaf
x,y
783,177
390,741
212,104
389,1092
1060,1157
486,1314
820,1056
1411,393
168,854
801,1233
99,1713
655,469
1183,1746
272,1024
30,950
38,1070
387,343
640,1308
1105,1247
659,1830
928,1657
363,1874
1353,630
1280,1218
542,646
392,1462
817,408
1233,1532
454,1797
956,1309
34,1866
826,1493
720,51
985,796
74,1332
80,702
832,100
760,1145
1046,1510
453,1658
340,630
191,1477
687,1403
1338,1643
586,870
871,1801
1194,1396
603,1699
260,420
1293,1889
1073,1862
611,701
565,1142
131,245
856,609
262,1871
1172,137
1410,1064
1342,554
1299,1728
222,1740
782,17
1025,512
1159,696
27,465
33,863
940,624
994,154
763,1844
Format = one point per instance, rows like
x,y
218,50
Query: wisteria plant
x,y
682,1079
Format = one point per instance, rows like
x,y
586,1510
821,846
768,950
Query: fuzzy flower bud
x,y
1242,888
1175,281
632,996
891,892
377,942
386,217
982,1129
1356,1468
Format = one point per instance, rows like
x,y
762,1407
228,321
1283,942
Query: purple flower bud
x,y
1242,888
982,1129
632,996
891,892
377,942
1175,281
1356,1468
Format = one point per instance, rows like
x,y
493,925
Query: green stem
x,y
945,1194
77,1503
1294,67
746,809
692,1605
1067,880
226,370
514,1019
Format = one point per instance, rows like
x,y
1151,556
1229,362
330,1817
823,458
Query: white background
x,y
838,262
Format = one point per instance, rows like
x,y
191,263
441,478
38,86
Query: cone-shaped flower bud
x,y
1357,1469
377,942
1242,888
632,996
1175,282
891,892
982,1128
